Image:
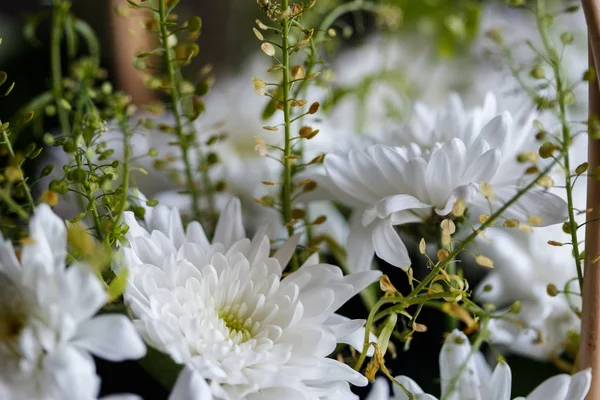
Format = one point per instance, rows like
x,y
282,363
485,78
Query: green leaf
x,y
161,367
117,285
3,77
269,109
386,333
10,88
91,40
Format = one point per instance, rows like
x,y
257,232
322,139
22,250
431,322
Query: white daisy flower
x,y
429,126
389,186
47,323
478,382
223,309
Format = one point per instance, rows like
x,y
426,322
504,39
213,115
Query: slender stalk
x,y
126,159
12,205
287,188
566,133
589,348
451,322
286,200
591,9
370,319
436,270
56,67
184,141
90,198
11,154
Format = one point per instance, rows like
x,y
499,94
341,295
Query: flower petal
x,y
392,204
359,245
455,352
49,234
190,386
380,390
580,385
111,337
82,292
552,388
230,228
388,245
500,385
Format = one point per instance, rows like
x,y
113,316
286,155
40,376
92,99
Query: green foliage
x,y
452,24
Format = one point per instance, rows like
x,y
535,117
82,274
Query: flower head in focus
x,y
389,186
429,126
222,308
47,323
477,382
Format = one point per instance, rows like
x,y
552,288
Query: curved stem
x,y
11,154
554,60
13,205
434,272
286,200
183,141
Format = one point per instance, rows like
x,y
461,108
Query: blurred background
x,y
438,47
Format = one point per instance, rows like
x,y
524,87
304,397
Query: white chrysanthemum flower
x,y
47,323
478,382
428,127
389,186
222,308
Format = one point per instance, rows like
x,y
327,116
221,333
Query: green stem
x,y
566,134
451,322
380,303
12,205
435,271
11,154
56,67
184,141
287,152
286,189
90,197
126,159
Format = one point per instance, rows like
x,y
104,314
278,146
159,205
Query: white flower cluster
x,y
48,324
243,319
